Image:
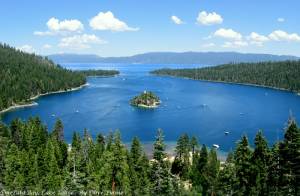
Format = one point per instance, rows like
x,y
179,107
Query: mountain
x,y
209,58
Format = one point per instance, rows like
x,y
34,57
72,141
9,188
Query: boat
x,y
226,132
216,146
53,115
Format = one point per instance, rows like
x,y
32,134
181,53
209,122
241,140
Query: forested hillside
x,y
284,74
33,160
99,72
26,75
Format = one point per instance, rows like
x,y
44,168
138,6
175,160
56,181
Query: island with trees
x,y
147,99
284,75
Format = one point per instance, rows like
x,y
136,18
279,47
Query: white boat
x,y
216,146
226,132
53,115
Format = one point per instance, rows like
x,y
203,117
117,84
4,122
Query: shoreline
x,y
237,83
156,104
17,106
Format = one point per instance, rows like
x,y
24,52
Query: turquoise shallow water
x,y
203,109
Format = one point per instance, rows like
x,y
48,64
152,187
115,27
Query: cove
x,y
200,108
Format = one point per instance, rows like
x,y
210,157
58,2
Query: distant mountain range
x,y
209,58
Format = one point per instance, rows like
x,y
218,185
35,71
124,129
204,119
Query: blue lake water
x,y
203,109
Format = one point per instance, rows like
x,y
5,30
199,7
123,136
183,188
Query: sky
x,y
128,27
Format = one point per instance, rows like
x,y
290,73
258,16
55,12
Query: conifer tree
x,y
242,157
181,163
273,179
212,171
162,180
289,150
259,162
139,169
227,178
58,132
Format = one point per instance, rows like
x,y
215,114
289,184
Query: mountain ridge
x,y
210,58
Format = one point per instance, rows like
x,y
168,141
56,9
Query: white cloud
x,y
43,33
257,39
61,27
80,41
107,21
65,25
280,19
208,45
235,44
176,20
26,48
280,35
47,46
228,34
205,18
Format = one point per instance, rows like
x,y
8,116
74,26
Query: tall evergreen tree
x,y
162,180
274,169
242,157
181,162
289,151
259,162
139,169
227,177
212,171
58,132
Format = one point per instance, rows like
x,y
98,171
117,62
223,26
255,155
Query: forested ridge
x,y
283,74
26,75
34,160
99,72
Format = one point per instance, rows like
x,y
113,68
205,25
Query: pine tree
x,y
113,176
139,169
194,144
273,179
12,165
227,178
53,179
4,141
242,156
259,162
289,151
181,163
161,178
212,171
58,131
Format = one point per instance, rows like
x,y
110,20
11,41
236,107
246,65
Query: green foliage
x,y
33,160
146,98
242,157
99,72
29,75
284,74
289,160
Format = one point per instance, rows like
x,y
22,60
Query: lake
x,y
202,109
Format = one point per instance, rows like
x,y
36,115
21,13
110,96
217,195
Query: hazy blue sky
x,y
127,27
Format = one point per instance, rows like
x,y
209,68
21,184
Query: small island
x,y
147,99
